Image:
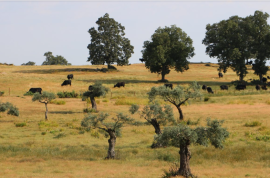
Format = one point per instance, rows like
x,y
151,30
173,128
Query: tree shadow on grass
x,y
64,112
52,71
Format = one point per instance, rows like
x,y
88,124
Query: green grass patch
x,y
253,124
58,102
22,124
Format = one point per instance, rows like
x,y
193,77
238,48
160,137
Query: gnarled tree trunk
x,y
111,141
155,124
181,116
93,102
46,112
185,156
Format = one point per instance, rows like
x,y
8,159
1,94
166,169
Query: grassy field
x,y
58,148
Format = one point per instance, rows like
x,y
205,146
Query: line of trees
x,y
233,42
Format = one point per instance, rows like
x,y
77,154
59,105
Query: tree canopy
x,y
112,129
96,90
30,63
170,47
177,96
54,60
108,44
182,137
236,40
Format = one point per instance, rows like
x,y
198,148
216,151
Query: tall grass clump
x,y
58,102
66,94
253,124
1,93
29,93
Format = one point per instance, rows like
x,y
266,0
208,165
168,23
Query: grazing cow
x,y
240,87
258,87
66,82
34,90
70,76
264,80
204,87
224,87
220,75
264,87
209,90
170,85
142,60
90,87
119,84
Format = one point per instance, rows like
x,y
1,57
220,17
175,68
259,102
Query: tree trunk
x,y
162,76
93,102
260,75
185,156
46,113
155,124
181,116
111,141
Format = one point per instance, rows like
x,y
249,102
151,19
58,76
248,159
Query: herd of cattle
x,y
170,85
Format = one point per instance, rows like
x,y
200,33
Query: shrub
x,y
43,133
60,135
1,93
29,93
208,64
58,102
66,94
13,111
253,124
189,122
20,124
89,110
206,98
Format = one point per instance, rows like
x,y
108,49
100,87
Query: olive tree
x,y
170,47
177,96
182,137
113,128
96,90
156,115
45,98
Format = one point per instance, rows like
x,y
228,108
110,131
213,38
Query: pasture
x,y
60,148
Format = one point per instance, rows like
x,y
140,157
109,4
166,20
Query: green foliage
x,y
66,94
248,39
190,122
52,60
58,102
100,121
206,99
108,44
29,93
30,63
253,124
97,90
11,110
89,110
1,93
170,48
44,97
183,135
20,124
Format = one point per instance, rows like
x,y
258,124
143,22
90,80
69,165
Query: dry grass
x,y
59,149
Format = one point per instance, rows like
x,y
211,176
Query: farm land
x,y
60,148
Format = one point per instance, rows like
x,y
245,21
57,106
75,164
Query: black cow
x,y
264,80
142,60
220,75
119,84
66,82
258,87
70,76
209,90
224,87
204,87
264,87
240,87
34,90
268,77
170,85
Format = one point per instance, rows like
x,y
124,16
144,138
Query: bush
x,y
66,94
207,64
58,102
29,93
206,98
13,111
20,124
253,124
1,93
89,110
189,122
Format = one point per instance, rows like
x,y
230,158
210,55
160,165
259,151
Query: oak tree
x,y
170,47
